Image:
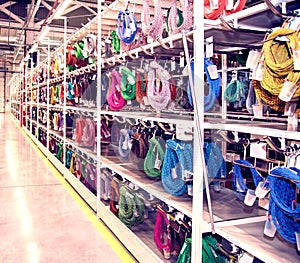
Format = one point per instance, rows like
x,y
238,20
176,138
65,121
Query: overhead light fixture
x,y
44,33
61,9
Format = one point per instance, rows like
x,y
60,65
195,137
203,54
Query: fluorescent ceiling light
x,y
44,33
61,9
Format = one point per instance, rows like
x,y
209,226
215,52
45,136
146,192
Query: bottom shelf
x,y
87,195
139,249
250,237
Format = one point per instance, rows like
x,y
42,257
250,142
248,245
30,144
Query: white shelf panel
x,y
250,237
86,151
85,193
82,109
279,130
183,204
162,117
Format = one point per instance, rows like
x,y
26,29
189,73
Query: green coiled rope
x,y
156,152
235,91
131,207
115,42
128,84
210,251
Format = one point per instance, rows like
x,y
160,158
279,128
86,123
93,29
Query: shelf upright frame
x,y
98,102
198,186
48,93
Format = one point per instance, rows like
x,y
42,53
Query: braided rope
x,y
158,98
235,91
124,139
155,152
237,7
238,183
177,154
131,207
114,97
125,33
216,165
281,201
187,15
213,13
141,87
174,18
211,252
115,42
73,164
115,197
185,255
162,243
279,61
214,86
271,100
128,84
105,188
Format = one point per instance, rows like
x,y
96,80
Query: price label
x,y
214,4
132,26
246,258
229,5
146,100
92,176
296,57
157,164
270,229
213,72
129,145
174,174
125,145
127,32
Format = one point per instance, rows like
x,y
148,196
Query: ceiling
x,y
21,23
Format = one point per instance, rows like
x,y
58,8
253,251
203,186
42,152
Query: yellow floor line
x,y
107,235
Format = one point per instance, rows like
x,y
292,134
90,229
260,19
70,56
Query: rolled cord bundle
x,y
131,207
282,206
154,159
162,243
280,77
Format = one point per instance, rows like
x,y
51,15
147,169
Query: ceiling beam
x,y
8,4
46,5
10,14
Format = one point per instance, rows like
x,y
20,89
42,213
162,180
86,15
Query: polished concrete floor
x,y
39,220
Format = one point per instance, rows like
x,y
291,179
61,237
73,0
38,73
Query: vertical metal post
x,y
4,83
65,90
198,100
99,163
48,93
224,84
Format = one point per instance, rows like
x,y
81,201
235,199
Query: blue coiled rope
x,y
178,156
238,182
216,165
123,30
214,86
281,201
71,94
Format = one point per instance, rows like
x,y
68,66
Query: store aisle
x,y
39,220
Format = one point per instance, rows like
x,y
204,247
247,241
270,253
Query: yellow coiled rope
x,y
279,62
263,95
